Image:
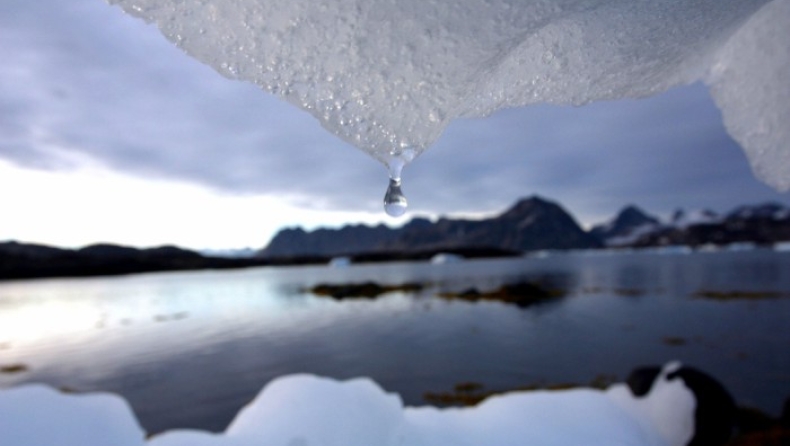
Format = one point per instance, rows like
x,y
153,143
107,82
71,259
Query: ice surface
x,y
389,76
41,416
305,410
749,82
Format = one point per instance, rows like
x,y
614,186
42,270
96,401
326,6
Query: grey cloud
x,y
93,85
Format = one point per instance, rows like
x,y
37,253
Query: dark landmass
x,y
756,428
738,295
27,261
532,224
467,253
674,341
521,294
31,261
368,290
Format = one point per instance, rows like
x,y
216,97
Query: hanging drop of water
x,y
394,200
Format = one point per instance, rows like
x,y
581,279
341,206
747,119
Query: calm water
x,y
189,349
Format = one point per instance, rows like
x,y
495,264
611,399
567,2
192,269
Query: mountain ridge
x,y
535,224
531,224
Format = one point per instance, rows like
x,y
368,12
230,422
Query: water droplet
x,y
394,200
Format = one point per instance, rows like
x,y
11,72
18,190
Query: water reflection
x,y
189,349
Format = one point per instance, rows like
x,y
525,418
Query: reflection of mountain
x,y
531,224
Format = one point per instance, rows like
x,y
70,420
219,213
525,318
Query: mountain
x,y
761,212
296,242
534,224
763,224
531,224
629,224
683,219
23,260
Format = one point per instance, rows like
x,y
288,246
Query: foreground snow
x,y
305,410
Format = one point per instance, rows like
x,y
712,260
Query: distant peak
x,y
632,209
531,202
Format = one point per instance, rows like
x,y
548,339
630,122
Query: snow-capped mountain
x,y
683,219
760,224
628,226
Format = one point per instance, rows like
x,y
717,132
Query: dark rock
x,y
752,420
368,290
14,368
521,294
714,415
641,380
785,417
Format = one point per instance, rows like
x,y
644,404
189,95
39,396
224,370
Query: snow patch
x,y
41,416
633,235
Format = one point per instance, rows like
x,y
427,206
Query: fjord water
x,y
189,349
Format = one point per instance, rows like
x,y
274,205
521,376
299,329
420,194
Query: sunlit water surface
x,y
189,349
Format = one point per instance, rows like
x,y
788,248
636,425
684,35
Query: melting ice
x,y
394,201
383,74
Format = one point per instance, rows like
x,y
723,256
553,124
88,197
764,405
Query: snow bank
x,y
389,76
305,410
41,416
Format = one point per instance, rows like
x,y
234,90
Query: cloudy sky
x,y
108,133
